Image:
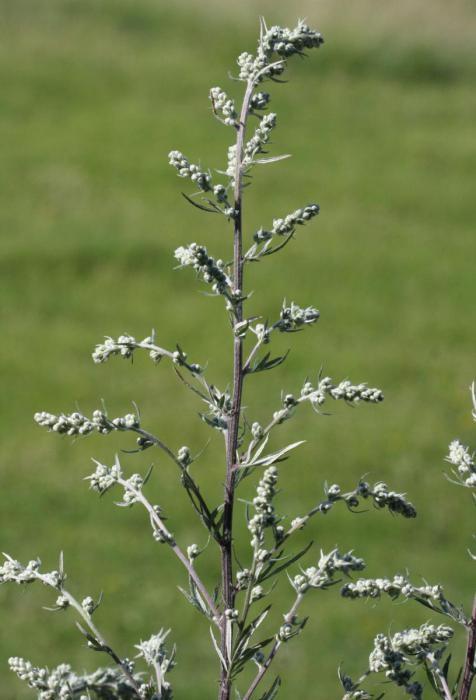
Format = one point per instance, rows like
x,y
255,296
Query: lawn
x,y
94,96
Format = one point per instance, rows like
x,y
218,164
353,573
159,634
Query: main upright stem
x,y
469,667
228,590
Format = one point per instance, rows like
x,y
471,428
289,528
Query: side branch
x,y
289,618
98,642
188,482
157,522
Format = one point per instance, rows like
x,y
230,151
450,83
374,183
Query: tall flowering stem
x,y
238,375
234,608
469,669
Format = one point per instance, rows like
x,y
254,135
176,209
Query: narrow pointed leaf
x,y
272,458
199,206
217,649
265,363
271,159
273,691
274,569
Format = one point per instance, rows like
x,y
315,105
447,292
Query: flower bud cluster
x,y
351,393
184,456
89,605
155,654
78,424
260,138
54,684
11,571
61,683
287,42
187,169
62,602
159,534
379,493
104,478
259,100
243,579
284,414
257,592
286,226
124,346
257,431
286,632
232,614
249,66
461,458
395,502
293,317
262,333
127,422
223,106
322,575
417,641
289,401
264,516
298,523
397,587
231,163
73,424
221,195
281,41
212,270
132,487
193,552
254,146
391,654
179,357
35,677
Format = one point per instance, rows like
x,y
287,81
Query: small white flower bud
x,y
193,551
257,592
88,605
62,602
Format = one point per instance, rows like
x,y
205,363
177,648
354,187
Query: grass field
x,y
381,127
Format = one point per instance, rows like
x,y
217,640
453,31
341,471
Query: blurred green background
x,y
380,123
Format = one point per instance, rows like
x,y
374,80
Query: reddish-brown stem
x,y
469,670
228,590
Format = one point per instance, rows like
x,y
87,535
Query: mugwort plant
x,y
242,599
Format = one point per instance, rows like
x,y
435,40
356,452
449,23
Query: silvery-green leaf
x,y
217,649
271,159
274,457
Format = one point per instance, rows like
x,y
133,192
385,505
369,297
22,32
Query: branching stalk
x,y
96,634
289,617
99,637
168,537
200,504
